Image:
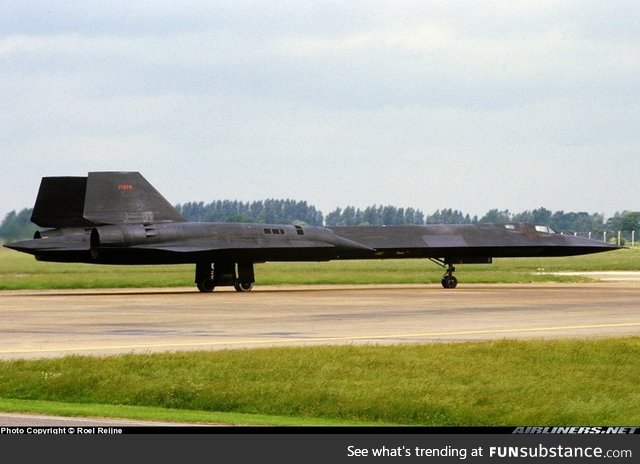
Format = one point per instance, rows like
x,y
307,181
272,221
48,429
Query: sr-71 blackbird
x,y
119,218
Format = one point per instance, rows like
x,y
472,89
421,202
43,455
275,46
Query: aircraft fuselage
x,y
120,218
188,242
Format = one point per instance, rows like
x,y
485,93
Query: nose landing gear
x,y
448,279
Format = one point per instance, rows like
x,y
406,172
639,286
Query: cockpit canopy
x,y
544,229
537,227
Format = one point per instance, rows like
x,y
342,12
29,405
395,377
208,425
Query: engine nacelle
x,y
117,236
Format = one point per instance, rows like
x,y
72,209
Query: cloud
x,y
421,104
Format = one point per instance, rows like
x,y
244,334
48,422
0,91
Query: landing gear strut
x,y
448,279
219,274
204,277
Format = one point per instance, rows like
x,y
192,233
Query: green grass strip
x,y
560,382
155,414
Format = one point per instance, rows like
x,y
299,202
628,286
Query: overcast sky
x,y
430,104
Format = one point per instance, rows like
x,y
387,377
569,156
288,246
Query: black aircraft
x,y
119,218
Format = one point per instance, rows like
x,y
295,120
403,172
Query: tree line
x,y
17,225
269,211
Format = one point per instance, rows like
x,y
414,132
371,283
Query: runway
x,y
36,324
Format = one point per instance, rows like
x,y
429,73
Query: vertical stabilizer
x,y
60,202
125,197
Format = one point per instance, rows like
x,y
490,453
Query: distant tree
x,y
192,211
269,211
371,216
541,216
627,221
413,216
349,217
537,216
17,226
496,215
375,215
448,216
630,221
333,217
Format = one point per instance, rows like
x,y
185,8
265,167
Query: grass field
x,y
20,271
489,383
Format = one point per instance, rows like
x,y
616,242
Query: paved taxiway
x,y
36,420
36,324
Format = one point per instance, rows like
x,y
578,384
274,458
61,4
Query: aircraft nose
x,y
596,245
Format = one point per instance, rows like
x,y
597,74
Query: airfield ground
x,y
56,323
578,347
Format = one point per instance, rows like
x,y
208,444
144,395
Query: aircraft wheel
x,y
206,286
243,286
449,282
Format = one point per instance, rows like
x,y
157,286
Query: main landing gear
x,y
221,274
448,279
